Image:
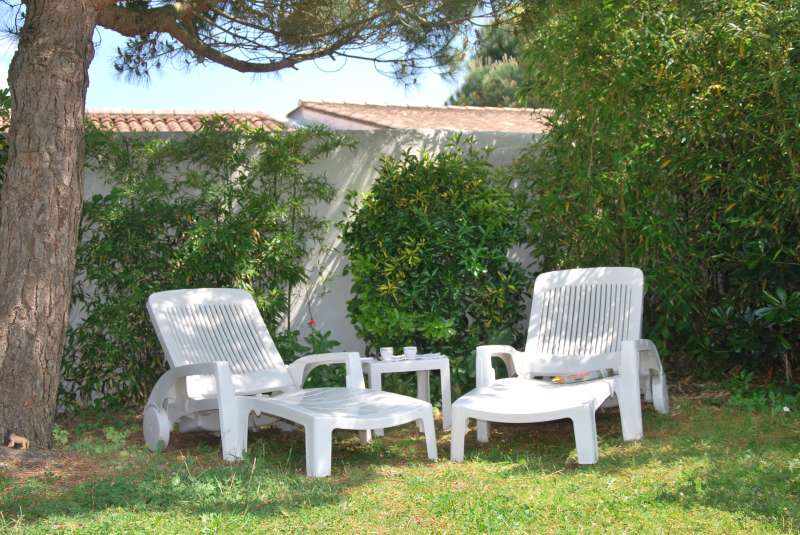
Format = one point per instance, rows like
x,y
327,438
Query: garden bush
x,y
228,206
427,250
675,147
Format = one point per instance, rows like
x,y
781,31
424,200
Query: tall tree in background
x,y
493,76
40,201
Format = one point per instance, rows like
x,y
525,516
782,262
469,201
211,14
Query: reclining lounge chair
x,y
582,320
224,366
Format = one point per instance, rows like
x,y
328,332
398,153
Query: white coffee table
x,y
423,365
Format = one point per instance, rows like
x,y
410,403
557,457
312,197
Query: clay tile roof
x,y
137,121
461,118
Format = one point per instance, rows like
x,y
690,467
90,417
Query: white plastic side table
x,y
375,368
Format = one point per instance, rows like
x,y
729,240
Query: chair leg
x,y
423,390
244,426
630,410
375,384
660,394
233,433
430,434
646,384
319,446
457,435
585,427
483,431
446,401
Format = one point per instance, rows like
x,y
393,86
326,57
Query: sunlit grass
x,y
703,469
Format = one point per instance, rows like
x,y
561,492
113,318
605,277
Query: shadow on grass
x,y
271,480
708,457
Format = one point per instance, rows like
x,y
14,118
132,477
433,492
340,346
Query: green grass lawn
x,y
706,468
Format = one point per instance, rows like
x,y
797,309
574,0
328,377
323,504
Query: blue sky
x,y
215,88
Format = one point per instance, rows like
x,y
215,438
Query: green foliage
x,y
271,35
228,206
315,342
428,256
675,147
60,436
494,76
114,439
772,398
320,341
781,316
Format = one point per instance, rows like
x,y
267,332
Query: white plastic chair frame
x,y
222,363
582,320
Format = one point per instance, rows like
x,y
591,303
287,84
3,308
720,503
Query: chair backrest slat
x,y
237,329
213,324
584,312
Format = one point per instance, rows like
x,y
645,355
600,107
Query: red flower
x,y
312,323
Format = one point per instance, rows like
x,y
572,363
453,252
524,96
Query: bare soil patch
x,y
21,465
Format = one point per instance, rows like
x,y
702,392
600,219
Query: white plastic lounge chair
x,y
225,366
581,320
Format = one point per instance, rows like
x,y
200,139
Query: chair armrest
x,y
649,359
629,359
638,359
484,373
221,372
226,400
652,371
300,368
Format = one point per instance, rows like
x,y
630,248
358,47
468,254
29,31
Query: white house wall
x,y
325,295
304,116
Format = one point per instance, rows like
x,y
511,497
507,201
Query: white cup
x,y
410,352
387,353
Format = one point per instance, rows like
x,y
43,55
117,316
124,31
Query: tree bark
x,y
40,207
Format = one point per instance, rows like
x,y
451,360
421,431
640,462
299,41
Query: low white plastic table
x,y
423,365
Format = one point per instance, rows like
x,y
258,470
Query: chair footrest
x,y
526,401
345,408
517,399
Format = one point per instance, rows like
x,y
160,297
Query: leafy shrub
x,y
228,206
315,342
675,147
776,399
428,248
60,436
781,315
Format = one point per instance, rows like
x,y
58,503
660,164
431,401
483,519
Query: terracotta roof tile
x,y
462,118
122,121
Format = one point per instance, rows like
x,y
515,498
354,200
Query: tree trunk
x,y
40,208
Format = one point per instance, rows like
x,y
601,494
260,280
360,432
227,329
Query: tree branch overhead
x,y
267,36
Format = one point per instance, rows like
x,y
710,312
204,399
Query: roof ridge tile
x,y
174,121
464,118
